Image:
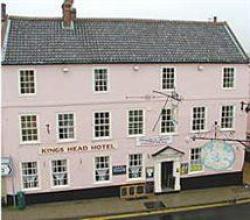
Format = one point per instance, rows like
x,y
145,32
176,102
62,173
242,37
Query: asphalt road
x,y
236,212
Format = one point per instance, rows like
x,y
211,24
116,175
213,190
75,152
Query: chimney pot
x,y
215,19
3,12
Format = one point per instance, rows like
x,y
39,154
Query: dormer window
x,y
27,82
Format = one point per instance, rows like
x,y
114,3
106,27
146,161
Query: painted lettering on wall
x,y
77,148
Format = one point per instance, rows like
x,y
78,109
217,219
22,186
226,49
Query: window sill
x,y
66,141
227,130
136,180
102,182
30,143
136,135
199,131
102,139
60,186
168,134
31,189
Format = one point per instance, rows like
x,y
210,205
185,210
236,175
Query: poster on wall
x,y
184,168
149,172
119,170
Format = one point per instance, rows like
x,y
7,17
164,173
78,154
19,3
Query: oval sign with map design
x,y
218,155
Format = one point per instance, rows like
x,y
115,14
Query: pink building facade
x,y
81,130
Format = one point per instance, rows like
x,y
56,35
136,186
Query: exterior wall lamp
x,y
245,106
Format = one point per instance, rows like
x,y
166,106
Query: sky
x,y
235,12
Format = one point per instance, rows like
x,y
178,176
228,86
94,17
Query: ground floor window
x,y
60,172
135,166
102,168
195,160
30,175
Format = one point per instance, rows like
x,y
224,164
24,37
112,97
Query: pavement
x,y
116,208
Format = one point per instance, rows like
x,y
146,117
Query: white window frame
x,y
190,164
51,173
234,85
110,170
161,77
93,79
38,129
19,82
175,126
38,177
144,122
206,120
233,122
142,167
110,126
57,128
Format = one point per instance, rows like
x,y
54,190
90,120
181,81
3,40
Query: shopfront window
x,y
135,166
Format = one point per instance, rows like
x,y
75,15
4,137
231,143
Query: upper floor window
x,y
102,125
27,82
227,117
135,166
66,126
168,78
102,169
195,160
135,122
167,121
29,175
228,77
29,128
101,80
199,119
59,172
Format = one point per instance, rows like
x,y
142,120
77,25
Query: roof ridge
x,y
114,19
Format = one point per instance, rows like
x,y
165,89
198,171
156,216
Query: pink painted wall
x,y
73,92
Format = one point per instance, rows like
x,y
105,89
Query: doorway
x,y
167,178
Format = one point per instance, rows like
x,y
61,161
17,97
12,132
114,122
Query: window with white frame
x,y
101,80
168,78
167,121
102,168
195,160
135,122
27,82
59,172
227,117
228,77
29,128
66,126
199,119
135,166
102,124
30,175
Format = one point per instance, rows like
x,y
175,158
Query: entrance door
x,y
167,178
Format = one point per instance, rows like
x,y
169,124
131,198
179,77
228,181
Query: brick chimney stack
x,y
3,12
69,13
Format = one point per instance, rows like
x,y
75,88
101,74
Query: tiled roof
x,y
44,41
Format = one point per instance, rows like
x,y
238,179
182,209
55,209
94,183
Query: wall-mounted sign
x,y
119,169
218,155
154,140
6,166
149,172
184,168
77,148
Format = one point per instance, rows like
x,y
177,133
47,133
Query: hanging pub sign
x,y
119,169
6,166
80,148
218,155
154,140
